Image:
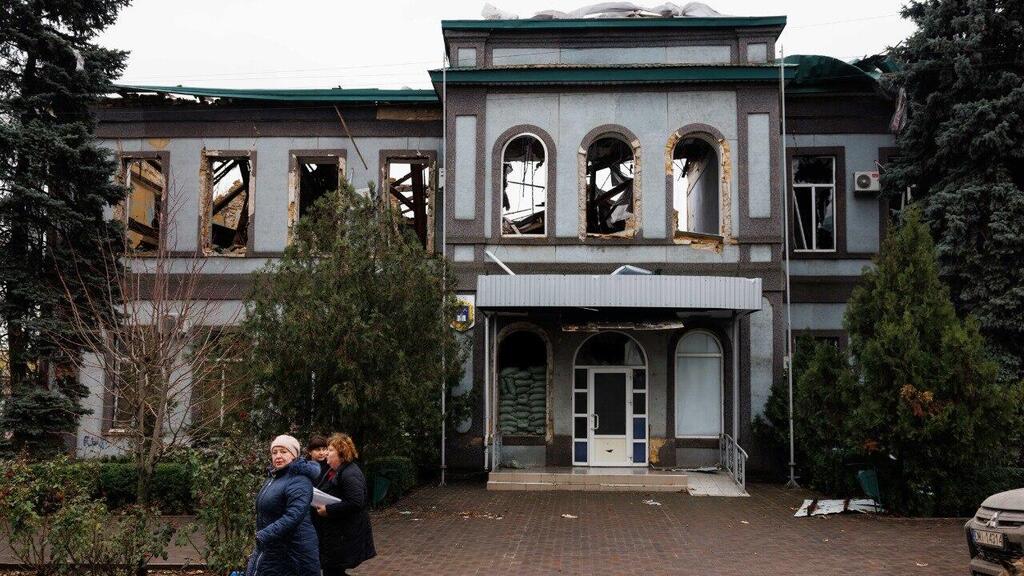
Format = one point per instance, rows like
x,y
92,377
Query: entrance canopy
x,y
619,291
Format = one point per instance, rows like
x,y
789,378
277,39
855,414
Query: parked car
x,y
995,536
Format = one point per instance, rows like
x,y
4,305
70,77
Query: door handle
x,y
597,422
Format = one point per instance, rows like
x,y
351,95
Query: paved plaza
x,y
464,529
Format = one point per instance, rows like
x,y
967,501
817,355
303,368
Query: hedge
x,y
171,491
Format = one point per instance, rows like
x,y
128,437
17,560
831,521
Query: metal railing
x,y
734,460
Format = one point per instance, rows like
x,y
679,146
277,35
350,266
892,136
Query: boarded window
x,y
695,186
409,183
609,187
229,190
522,382
814,200
524,181
141,212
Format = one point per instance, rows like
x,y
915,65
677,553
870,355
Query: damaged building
x,y
628,170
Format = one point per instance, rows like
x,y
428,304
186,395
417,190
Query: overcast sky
x,y
391,44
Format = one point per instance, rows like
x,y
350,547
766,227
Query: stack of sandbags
x,y
522,406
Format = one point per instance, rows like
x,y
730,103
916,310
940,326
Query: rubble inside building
x,y
317,177
524,183
609,187
144,178
229,183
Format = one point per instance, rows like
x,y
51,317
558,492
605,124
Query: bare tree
x,y
166,349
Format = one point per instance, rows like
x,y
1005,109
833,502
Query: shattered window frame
x,y
591,216
508,227
210,176
227,356
806,192
679,172
298,160
396,196
123,211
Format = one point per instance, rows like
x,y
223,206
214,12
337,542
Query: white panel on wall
x,y
467,57
698,55
757,53
465,167
761,357
759,189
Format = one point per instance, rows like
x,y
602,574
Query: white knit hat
x,y
287,442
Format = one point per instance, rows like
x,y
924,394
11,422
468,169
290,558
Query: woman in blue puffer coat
x,y
286,543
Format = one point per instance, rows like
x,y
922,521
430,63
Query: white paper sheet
x,y
321,498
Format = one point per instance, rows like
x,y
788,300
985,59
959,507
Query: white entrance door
x,y
609,416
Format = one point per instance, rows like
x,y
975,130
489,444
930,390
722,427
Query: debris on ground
x,y
569,516
825,507
485,515
652,502
921,564
405,512
744,522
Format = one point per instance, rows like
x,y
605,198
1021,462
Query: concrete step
x,y
497,485
622,480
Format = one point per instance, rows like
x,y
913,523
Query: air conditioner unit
x,y
865,182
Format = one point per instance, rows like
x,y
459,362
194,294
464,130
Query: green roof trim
x,y
610,75
339,95
622,23
820,74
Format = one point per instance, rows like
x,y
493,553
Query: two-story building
x,y
615,197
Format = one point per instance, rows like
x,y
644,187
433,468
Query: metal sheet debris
x,y
826,507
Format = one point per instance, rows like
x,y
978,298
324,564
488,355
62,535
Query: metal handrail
x,y
734,460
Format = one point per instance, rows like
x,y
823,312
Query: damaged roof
x,y
818,74
338,95
619,23
628,74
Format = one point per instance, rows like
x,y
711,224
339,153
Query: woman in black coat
x,y
343,528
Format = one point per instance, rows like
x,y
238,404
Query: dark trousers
x,y
334,572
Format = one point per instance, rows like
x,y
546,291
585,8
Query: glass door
x,y
609,409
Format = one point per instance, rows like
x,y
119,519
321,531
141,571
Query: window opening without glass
x,y
522,381
524,183
695,186
144,178
408,184
229,182
814,199
609,188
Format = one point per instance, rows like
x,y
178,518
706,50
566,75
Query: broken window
x,y
312,178
524,183
141,211
609,187
523,384
814,200
228,191
695,186
409,185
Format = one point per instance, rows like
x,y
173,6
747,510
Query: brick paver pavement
x,y
456,530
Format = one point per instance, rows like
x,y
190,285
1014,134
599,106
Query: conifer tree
x,y
350,331
961,152
54,184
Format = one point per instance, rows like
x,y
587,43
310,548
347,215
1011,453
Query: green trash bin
x,y
868,480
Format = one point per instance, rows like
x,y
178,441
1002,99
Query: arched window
x,y
698,386
695,186
522,384
524,182
610,169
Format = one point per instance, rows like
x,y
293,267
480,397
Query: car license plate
x,y
985,538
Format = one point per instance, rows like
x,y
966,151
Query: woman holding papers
x,y
343,527
286,543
